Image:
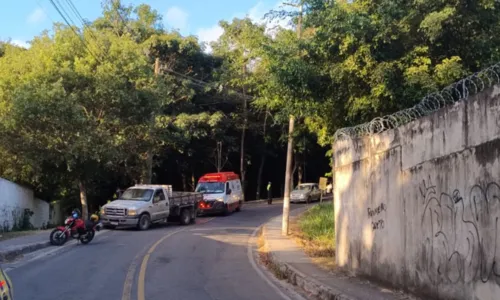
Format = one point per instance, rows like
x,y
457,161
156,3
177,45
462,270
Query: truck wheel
x,y
144,222
194,214
185,217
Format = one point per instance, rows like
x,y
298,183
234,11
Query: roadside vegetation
x,y
93,105
315,232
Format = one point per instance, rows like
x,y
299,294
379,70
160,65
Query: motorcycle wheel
x,y
57,237
87,238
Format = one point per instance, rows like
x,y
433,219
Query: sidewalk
x,y
280,200
299,270
14,248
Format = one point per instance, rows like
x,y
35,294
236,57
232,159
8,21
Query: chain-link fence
x,y
453,93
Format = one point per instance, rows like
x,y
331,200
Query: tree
x,y
71,107
240,48
379,57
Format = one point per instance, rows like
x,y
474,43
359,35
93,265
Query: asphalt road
x,y
209,260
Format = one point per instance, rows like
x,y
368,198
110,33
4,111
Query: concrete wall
x,y
14,199
418,207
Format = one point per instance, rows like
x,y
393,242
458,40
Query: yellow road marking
x,y
142,273
129,279
141,281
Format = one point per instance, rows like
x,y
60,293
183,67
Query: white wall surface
x,y
14,199
419,206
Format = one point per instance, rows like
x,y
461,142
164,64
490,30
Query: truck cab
x,y
142,205
222,193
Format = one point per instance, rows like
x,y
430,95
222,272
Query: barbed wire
x,y
455,92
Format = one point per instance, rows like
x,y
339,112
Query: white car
x,y
305,192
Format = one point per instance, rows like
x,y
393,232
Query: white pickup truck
x,y
142,205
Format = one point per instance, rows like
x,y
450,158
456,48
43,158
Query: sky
x,y
21,20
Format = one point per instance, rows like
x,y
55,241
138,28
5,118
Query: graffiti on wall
x,y
377,224
461,237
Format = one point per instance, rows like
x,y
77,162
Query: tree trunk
x,y
83,200
147,176
193,182
148,169
242,157
243,133
184,182
299,174
259,176
263,158
292,177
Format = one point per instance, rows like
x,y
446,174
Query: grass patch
x,y
315,232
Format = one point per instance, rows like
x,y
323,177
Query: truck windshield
x,y
137,194
210,187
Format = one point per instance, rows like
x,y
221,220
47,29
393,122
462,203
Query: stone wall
x,y
14,199
418,206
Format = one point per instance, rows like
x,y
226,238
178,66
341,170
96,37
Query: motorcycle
x,y
76,228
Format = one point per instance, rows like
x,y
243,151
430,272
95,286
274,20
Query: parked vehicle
x,y
222,193
77,228
6,287
305,192
143,205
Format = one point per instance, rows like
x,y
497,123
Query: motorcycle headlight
x,y
102,212
132,212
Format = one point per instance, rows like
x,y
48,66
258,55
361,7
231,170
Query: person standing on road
x,y
269,194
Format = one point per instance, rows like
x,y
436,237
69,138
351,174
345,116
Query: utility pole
x,y
289,153
147,177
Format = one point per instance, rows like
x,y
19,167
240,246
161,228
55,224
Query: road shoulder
x,y
290,263
15,248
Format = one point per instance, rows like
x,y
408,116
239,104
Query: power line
x,y
82,20
64,14
73,29
204,84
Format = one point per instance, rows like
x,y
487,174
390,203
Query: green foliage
x,y
374,58
93,112
318,225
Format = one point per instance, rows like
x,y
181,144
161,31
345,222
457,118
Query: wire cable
x,y
73,29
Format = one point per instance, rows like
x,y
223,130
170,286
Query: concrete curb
x,y
327,198
312,287
261,201
17,252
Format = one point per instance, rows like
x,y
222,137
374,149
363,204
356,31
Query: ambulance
x,y
222,193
